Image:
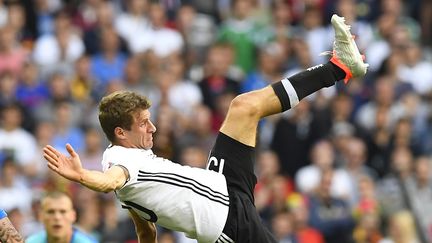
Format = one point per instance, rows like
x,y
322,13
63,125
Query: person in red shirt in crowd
x,y
305,234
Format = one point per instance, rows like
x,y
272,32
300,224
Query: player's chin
x,y
148,145
57,231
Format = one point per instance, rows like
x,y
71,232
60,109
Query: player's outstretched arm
x,y
70,168
8,233
145,230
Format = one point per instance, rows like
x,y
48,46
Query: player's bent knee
x,y
244,105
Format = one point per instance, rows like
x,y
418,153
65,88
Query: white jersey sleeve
x,y
180,198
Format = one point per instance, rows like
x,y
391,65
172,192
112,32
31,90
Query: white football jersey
x,y
180,198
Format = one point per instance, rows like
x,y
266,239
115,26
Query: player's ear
x,y
119,133
73,216
40,215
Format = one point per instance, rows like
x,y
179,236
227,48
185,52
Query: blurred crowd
x,y
350,163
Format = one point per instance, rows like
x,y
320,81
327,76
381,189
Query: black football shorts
x,y
236,161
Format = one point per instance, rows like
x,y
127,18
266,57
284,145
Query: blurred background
x,y
351,163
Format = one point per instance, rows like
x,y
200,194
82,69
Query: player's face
x,y
141,132
58,216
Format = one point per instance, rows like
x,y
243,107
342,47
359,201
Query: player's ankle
x,y
338,72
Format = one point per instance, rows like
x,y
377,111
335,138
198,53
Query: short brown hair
x,y
55,195
117,110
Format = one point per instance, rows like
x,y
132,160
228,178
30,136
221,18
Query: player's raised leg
x,y
247,109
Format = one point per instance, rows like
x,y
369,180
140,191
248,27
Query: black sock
x,y
293,89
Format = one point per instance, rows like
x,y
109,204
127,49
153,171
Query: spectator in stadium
x,y
85,15
8,85
38,172
12,54
415,70
58,215
314,33
17,19
294,129
64,127
419,190
193,156
134,77
108,65
89,215
199,132
384,102
391,190
270,59
396,8
308,177
367,203
401,228
283,228
267,169
44,17
183,95
60,92
281,28
272,188
198,31
58,51
14,192
164,41
92,150
298,206
356,168
134,21
3,14
216,79
242,32
31,91
114,227
367,229
14,139
82,84
330,215
164,142
104,14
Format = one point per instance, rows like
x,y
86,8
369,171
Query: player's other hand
x,y
67,166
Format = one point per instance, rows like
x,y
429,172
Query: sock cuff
x,y
282,95
291,92
286,93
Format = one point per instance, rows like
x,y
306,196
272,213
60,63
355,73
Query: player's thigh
x,y
236,161
245,111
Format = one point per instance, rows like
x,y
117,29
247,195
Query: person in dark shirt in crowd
x,y
328,214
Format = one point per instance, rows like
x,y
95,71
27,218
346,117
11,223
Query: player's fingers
x,y
71,151
52,167
51,161
50,153
53,150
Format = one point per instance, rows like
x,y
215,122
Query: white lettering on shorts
x,y
215,165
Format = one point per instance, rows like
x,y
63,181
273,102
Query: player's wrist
x,y
81,177
3,214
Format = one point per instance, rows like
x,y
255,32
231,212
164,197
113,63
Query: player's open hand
x,y
67,166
